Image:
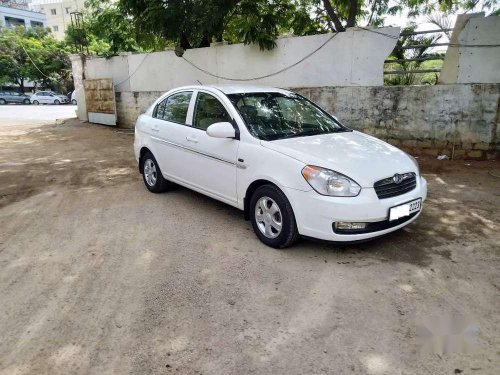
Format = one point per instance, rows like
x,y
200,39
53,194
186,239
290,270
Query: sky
x,y
423,23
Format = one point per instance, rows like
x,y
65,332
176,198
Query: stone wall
x,y
129,105
458,120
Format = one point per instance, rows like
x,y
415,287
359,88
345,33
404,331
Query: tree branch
x,y
331,13
374,6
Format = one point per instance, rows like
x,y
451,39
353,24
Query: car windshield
x,y
270,116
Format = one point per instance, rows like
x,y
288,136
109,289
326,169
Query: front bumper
x,y
315,213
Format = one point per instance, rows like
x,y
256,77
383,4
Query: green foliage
x,y
114,26
406,68
33,54
192,23
375,11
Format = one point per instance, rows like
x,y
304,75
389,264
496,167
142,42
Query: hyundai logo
x,y
397,178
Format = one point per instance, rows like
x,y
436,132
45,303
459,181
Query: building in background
x,y
58,13
16,13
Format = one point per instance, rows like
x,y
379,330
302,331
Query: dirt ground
x,y
97,275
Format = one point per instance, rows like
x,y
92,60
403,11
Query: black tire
x,y
3,101
57,102
73,102
161,184
36,102
26,101
289,232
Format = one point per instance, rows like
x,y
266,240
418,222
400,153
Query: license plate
x,y
405,209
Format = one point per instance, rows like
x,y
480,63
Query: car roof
x,y
237,88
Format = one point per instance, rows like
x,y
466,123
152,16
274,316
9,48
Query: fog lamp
x,y
348,225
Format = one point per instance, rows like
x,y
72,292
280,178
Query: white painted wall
x,y
480,64
353,58
465,64
117,68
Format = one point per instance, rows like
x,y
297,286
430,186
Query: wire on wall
x,y
266,75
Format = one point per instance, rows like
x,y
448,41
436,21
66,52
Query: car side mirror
x,y
221,130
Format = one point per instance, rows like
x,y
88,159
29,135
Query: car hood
x,y
361,157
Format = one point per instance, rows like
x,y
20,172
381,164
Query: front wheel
x,y
152,176
57,102
272,217
36,102
73,102
26,101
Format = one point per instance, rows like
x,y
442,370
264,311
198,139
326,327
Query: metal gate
x,y
100,99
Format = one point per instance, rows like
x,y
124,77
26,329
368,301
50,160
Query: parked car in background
x,y
290,166
14,97
48,97
73,98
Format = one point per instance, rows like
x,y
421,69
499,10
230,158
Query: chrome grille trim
x,y
387,188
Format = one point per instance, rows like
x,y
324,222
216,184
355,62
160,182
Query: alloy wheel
x,y
150,174
268,217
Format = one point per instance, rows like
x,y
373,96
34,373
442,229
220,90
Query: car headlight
x,y
415,162
327,182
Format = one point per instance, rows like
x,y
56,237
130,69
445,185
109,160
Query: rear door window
x,y
174,108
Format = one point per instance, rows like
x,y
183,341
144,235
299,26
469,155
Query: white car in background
x,y
289,165
48,97
73,98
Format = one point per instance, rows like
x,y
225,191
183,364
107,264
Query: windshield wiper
x,y
315,132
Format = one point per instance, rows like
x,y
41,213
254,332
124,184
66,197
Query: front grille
x,y
387,188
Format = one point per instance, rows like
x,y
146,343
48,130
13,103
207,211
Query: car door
x,y
214,166
168,131
15,97
42,97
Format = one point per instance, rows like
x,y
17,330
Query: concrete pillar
x,y
78,66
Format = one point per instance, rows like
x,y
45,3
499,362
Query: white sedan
x,y
48,97
290,166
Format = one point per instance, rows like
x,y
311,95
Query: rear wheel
x,y
73,102
272,217
3,101
26,101
152,176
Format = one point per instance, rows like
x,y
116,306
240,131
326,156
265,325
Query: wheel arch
x,y
142,152
249,192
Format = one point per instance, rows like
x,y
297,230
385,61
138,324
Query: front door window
x,y
208,111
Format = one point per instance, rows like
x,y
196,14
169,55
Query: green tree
x,y
191,23
32,54
348,13
148,25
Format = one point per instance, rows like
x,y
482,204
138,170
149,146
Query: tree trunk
x,y
205,40
184,42
331,13
353,10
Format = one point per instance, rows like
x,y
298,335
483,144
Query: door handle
x,y
191,139
155,129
